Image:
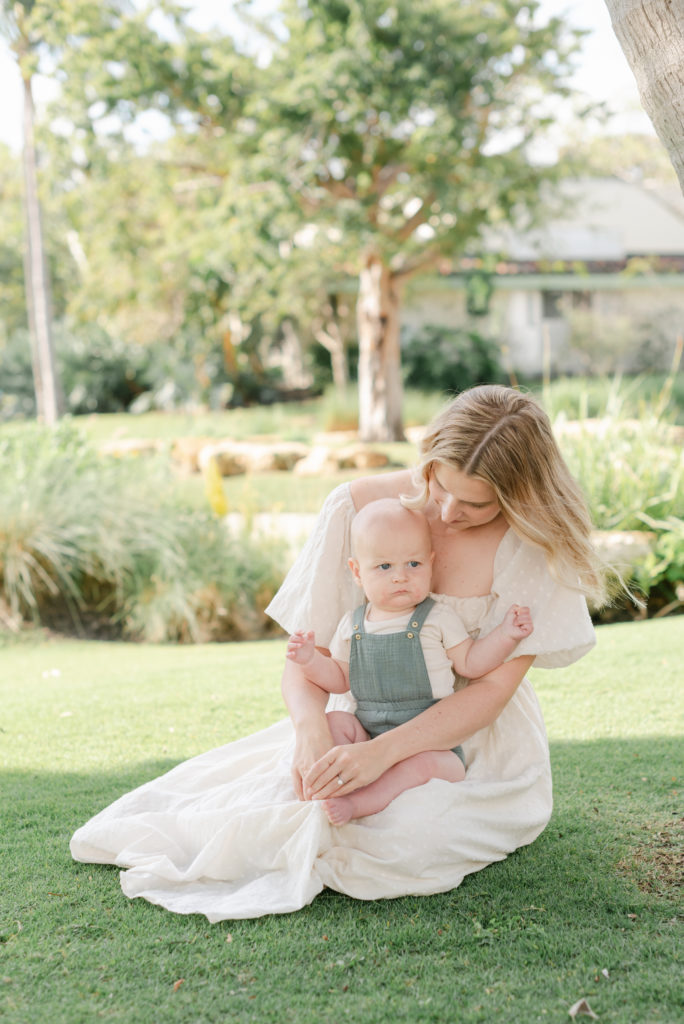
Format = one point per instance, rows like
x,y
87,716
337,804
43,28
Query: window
x,y
555,303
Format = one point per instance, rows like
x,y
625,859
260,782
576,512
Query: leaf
x,y
581,1007
177,984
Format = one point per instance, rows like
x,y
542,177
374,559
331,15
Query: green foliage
x,y
577,398
98,373
94,542
628,469
261,185
663,567
398,106
450,360
632,471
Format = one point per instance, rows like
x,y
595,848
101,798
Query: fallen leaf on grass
x,y
581,1007
177,984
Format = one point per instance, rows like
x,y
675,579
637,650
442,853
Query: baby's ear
x,y
354,566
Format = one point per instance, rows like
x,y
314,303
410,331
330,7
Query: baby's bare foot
x,y
339,809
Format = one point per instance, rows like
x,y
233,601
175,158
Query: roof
x,y
606,219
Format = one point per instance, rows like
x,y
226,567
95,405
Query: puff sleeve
x,y
563,631
319,588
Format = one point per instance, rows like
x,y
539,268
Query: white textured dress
x,y
224,835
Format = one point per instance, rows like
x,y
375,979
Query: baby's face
x,y
394,567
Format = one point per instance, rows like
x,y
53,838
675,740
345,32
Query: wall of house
x,y
631,326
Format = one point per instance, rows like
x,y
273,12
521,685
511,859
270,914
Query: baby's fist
x,y
522,625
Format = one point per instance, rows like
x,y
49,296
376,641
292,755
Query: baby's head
x,y
391,555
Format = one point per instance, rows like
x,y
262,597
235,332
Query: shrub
x,y
632,472
93,544
97,373
450,359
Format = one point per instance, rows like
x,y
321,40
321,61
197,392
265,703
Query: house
x,y
599,288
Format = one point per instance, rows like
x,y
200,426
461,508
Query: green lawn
x,y
589,910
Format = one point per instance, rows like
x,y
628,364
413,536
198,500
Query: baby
x,y
398,653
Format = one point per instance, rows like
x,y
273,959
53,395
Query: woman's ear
x,y
354,566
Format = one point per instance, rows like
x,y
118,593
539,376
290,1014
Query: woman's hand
x,y
312,742
306,703
345,768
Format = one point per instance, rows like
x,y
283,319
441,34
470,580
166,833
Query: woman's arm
x,y
306,704
382,485
443,726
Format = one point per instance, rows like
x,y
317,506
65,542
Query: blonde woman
x,y
242,831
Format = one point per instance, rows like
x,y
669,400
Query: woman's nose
x,y
449,510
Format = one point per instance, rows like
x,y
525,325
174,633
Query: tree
x,y
630,157
18,22
651,34
401,132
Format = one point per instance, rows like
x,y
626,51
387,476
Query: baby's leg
x,y
346,728
414,771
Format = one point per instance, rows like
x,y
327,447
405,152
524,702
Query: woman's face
x,y
462,501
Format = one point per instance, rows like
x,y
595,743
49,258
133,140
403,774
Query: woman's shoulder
x,y
514,554
382,485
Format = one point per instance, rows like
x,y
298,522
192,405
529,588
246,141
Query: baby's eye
x,y
384,565
413,564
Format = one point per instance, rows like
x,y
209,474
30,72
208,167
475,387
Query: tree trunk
x,y
45,380
380,390
651,34
330,337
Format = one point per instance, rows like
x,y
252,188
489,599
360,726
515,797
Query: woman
x,y
228,835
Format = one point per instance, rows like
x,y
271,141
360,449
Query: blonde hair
x,y
504,438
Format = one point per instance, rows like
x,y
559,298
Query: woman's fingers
x,y
321,774
343,770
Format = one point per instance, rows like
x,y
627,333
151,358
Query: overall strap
x,y
358,617
420,613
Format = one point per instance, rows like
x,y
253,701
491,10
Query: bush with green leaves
x,y
450,359
103,546
97,372
632,472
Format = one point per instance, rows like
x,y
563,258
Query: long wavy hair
x,y
504,437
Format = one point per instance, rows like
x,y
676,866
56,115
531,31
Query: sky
x,y
602,72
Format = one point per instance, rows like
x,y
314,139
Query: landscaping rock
x,y
185,452
319,462
235,457
323,459
624,545
360,457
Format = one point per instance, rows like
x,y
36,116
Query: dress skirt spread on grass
x,y
224,835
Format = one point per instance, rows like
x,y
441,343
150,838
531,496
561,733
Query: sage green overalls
x,y
388,676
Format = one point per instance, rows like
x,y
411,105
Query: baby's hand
x,y
518,622
301,647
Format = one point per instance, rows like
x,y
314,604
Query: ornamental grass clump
x,y
632,472
100,546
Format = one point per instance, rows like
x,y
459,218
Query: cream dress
x,y
224,835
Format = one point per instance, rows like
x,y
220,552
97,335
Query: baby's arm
x,y
328,673
475,658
